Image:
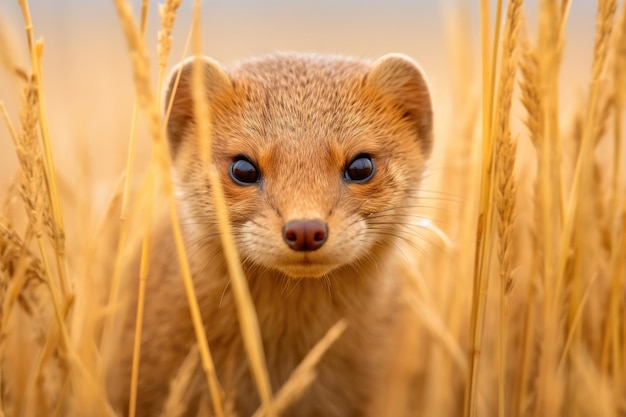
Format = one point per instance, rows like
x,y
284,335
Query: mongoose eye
x,y
361,169
243,172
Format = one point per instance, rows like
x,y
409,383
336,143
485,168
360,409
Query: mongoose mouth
x,y
307,269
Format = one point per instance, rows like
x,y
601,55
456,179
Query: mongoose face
x,y
319,156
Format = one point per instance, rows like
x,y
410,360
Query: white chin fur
x,y
306,270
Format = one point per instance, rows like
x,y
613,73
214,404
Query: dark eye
x,y
243,172
361,169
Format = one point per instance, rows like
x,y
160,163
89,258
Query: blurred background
x,y
87,73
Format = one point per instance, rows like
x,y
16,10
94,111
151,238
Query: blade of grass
x,y
7,121
145,253
141,298
584,163
147,102
248,321
485,213
36,51
304,374
124,214
506,148
610,348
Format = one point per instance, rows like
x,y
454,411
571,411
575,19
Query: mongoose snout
x,y
305,235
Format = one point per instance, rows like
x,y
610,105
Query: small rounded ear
x,y
180,86
399,78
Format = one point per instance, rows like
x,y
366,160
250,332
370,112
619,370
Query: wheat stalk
x,y
579,213
145,250
31,186
178,397
504,143
611,338
34,197
531,101
167,11
479,288
498,139
486,210
459,179
304,374
548,209
530,95
578,208
550,51
21,267
38,190
246,312
7,121
125,201
141,297
29,155
7,50
57,234
506,189
145,98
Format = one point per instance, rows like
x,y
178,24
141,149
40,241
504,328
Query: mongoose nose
x,y
305,235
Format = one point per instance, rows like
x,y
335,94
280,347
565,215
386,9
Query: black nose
x,y
305,235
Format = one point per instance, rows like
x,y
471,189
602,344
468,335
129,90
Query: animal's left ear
x,y
400,78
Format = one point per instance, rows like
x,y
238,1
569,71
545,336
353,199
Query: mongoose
x,y
320,158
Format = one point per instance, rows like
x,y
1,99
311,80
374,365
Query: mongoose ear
x,y
216,83
400,78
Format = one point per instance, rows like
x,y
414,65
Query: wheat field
x,y
514,292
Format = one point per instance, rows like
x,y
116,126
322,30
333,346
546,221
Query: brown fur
x,y
301,119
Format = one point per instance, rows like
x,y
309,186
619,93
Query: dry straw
x,y
180,387
531,100
18,270
490,144
611,354
7,49
505,149
31,188
39,194
305,373
57,234
146,100
581,224
246,312
167,11
109,323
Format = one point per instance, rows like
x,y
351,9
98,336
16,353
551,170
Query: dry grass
x,y
517,311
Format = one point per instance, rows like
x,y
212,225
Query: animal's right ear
x,y
180,93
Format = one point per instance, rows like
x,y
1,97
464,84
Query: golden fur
x,y
301,119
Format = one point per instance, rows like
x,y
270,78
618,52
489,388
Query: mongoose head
x,y
319,156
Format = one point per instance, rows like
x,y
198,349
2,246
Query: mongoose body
x,y
320,158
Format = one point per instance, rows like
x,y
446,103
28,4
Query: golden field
x,y
516,286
